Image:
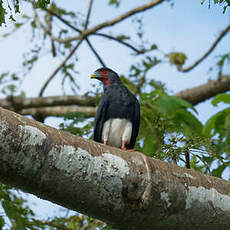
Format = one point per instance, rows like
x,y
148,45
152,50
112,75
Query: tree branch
x,y
56,111
121,42
124,16
222,34
60,66
206,91
88,14
33,106
95,52
127,190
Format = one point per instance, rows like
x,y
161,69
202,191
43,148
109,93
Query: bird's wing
x,y
136,124
100,120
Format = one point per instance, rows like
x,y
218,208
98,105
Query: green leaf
x,y
225,98
42,3
218,171
2,222
215,123
16,6
114,2
2,13
150,145
188,123
177,58
170,104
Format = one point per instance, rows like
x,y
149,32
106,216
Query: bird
x,y
117,119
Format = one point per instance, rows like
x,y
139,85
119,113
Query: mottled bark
x,y
206,91
125,189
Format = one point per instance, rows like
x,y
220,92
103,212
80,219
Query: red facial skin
x,y
104,77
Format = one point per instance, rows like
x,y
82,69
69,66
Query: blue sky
x,y
187,27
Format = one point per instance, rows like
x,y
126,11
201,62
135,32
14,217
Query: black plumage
x,y
119,106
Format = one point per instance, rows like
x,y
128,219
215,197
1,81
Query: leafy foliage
x,y
177,59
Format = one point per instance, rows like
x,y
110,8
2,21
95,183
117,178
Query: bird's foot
x,y
105,142
129,150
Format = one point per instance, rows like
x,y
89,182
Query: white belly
x,y
115,131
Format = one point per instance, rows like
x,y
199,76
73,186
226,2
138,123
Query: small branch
x,y
187,159
97,34
125,16
222,34
120,41
55,225
63,20
95,52
88,14
47,30
140,84
60,66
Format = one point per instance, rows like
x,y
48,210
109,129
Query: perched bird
x,y
117,119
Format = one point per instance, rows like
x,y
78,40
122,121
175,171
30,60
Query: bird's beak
x,y
92,76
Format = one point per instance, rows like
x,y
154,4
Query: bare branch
x,y
56,111
206,91
88,14
52,37
22,103
95,52
60,66
124,16
222,34
121,42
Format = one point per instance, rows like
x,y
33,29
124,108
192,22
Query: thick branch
x,y
213,46
127,190
18,103
206,91
59,111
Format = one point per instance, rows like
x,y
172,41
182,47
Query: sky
x,y
187,26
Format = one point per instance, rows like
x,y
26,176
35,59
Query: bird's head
x,y
106,76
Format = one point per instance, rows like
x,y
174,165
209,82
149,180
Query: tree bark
x,y
127,190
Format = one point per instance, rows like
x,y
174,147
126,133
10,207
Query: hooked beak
x,y
92,76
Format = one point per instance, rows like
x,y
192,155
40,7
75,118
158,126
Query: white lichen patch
x,y
183,175
165,197
189,176
204,195
32,135
105,172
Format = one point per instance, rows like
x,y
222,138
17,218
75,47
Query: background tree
x,y
171,129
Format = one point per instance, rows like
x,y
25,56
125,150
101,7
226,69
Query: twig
x,y
187,159
52,37
60,66
88,14
95,52
120,41
55,225
63,20
222,34
140,84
